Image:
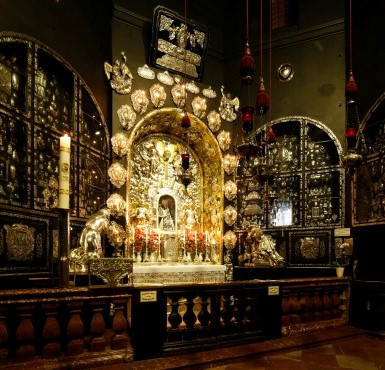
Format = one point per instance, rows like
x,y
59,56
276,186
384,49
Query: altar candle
x,y
195,240
146,238
206,237
64,172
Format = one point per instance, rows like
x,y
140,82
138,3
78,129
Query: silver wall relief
x,y
119,75
178,45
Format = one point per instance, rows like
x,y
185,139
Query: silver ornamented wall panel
x,y
24,244
178,45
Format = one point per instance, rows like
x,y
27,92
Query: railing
x,y
202,316
314,304
96,325
56,325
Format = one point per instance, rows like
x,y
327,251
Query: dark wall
x,y
80,31
368,51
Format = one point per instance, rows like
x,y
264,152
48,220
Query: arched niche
x,y
308,179
368,180
153,167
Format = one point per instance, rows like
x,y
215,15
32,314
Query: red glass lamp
x,y
247,119
185,161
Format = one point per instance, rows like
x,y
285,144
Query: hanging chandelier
x,y
254,148
247,148
353,157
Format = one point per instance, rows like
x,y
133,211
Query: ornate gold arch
x,y
165,123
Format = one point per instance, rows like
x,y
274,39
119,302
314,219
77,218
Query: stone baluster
x,y
251,313
189,317
285,309
4,335
204,315
51,331
175,319
75,329
306,307
295,308
327,304
336,313
97,327
239,310
120,338
317,305
226,312
25,335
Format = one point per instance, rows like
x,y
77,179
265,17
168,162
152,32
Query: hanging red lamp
x,y
351,89
271,135
247,66
247,119
351,137
263,99
185,123
185,161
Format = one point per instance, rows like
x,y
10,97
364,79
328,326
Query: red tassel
x,y
351,87
263,99
247,66
271,135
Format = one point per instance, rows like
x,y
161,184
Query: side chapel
x,y
178,177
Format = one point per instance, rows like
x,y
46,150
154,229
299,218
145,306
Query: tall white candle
x,y
64,172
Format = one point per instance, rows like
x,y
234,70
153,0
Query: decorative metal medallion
x,y
199,106
285,72
230,163
20,242
165,78
139,101
116,204
120,144
192,88
178,93
214,121
230,215
158,95
209,93
230,190
229,240
117,174
146,72
126,116
119,75
224,140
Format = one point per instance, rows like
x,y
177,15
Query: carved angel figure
x,y
228,106
119,75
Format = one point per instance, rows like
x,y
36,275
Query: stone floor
x,y
336,348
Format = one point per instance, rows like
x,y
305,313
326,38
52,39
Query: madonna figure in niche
x,y
166,213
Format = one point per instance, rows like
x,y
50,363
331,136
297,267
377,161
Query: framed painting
x,y
178,45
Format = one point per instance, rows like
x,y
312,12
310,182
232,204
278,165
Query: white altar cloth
x,y
178,273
